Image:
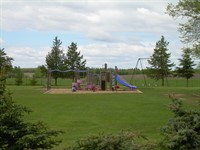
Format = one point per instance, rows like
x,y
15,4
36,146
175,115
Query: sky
x,y
116,32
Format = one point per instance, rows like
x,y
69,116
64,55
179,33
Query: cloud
x,y
120,54
1,41
26,56
114,31
96,20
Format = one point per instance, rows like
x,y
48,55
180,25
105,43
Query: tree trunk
x,y
163,81
56,81
187,82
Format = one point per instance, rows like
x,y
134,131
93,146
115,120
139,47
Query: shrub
x,y
122,141
183,131
33,80
15,133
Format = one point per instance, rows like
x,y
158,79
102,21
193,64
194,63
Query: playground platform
x,y
69,91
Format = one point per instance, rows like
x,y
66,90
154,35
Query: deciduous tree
x,y
189,12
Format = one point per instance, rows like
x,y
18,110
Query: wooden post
x,y
48,80
116,74
105,67
110,80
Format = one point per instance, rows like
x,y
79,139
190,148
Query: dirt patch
x,y
188,98
69,91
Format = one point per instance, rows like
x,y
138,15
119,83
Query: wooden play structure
x,y
106,80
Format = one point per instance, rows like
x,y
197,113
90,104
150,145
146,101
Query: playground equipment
x,y
62,71
123,82
143,65
140,62
106,80
120,80
107,77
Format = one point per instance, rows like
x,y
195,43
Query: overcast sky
x,y
116,32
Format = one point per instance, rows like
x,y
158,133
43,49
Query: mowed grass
x,y
81,115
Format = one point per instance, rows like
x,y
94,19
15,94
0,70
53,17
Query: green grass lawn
x,y
82,115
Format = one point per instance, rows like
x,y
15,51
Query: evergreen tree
x,y
186,65
19,76
159,61
74,58
55,59
5,61
15,133
182,132
33,80
5,66
43,70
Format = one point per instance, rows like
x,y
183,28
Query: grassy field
x,y
82,115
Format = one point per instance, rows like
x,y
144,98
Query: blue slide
x,y
122,82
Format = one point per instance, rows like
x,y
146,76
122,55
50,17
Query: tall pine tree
x,y
5,66
15,132
5,61
186,65
55,59
159,61
74,58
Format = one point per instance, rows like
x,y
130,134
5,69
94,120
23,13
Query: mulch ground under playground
x,y
69,91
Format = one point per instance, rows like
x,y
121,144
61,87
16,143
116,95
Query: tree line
x,y
160,65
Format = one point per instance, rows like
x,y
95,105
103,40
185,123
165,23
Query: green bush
x,y
16,134
183,131
122,141
33,80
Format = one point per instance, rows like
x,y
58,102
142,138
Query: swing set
x,y
142,64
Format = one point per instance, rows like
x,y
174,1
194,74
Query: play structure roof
x,y
70,70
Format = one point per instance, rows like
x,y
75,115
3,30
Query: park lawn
x,y
81,115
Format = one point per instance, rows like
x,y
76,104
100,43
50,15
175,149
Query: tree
x,y
190,29
74,58
19,75
55,59
5,66
43,70
33,80
186,65
159,61
183,131
15,133
5,61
